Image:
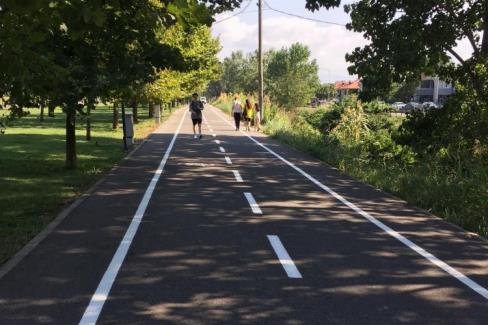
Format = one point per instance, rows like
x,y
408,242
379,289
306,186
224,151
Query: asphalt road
x,y
237,228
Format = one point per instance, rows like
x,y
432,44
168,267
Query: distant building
x,y
345,88
431,89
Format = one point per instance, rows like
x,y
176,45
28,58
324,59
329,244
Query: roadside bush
x,y
377,107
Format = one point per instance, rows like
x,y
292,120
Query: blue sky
x,y
328,43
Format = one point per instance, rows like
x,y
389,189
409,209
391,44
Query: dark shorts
x,y
196,121
248,119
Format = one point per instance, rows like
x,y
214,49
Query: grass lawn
x,y
35,186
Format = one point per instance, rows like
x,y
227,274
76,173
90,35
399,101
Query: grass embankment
x,y
451,187
35,186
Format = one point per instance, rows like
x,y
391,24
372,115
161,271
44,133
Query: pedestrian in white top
x,y
237,112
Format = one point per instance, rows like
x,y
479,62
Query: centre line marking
x,y
252,202
464,279
98,299
222,149
217,141
285,259
228,161
238,177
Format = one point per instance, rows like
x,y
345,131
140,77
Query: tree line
x,y
291,75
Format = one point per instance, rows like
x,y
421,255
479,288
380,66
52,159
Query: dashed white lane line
x,y
252,202
238,177
228,161
222,149
407,242
217,141
98,299
284,258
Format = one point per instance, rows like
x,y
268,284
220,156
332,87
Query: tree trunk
x,y
50,110
71,138
88,121
41,115
115,118
134,111
150,109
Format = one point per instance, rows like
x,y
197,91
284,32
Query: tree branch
x,y
457,56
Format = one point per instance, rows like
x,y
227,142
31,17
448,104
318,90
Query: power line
x,y
301,17
236,14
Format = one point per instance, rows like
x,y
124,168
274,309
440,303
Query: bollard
x,y
157,113
129,129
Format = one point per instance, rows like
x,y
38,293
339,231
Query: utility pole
x,y
260,59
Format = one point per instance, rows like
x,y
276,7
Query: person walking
x,y
196,107
257,117
248,114
237,112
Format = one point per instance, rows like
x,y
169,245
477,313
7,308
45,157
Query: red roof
x,y
351,84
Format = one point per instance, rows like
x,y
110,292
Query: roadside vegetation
x,y
367,142
436,159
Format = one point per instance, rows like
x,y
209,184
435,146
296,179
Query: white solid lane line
x,y
222,149
238,177
285,259
252,202
407,242
228,161
217,141
98,299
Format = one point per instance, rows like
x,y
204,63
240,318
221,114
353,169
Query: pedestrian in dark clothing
x,y
196,107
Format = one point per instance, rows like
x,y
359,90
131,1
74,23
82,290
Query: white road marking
x,y
407,242
252,202
98,299
228,161
217,141
238,177
222,149
285,259
214,135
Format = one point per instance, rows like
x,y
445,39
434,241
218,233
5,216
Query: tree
x,y
292,76
408,38
326,91
77,51
411,38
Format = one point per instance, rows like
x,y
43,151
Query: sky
x,y
328,43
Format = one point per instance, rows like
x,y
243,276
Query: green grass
x,y
35,186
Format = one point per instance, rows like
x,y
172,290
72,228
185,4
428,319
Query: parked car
x,y
428,105
203,100
398,105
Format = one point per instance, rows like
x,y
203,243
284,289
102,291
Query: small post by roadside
x,y
157,113
129,130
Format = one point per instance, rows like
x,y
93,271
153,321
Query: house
x,y
431,89
345,88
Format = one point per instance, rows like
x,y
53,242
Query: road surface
x,y
237,228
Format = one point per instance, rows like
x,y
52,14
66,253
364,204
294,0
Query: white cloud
x,y
328,43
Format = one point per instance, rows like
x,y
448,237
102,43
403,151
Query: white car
x,y
203,100
398,105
